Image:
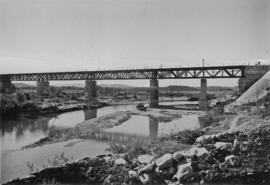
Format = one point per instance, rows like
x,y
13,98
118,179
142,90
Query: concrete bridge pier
x,y
154,94
6,86
203,102
90,91
43,88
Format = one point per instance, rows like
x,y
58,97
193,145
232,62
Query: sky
x,y
70,35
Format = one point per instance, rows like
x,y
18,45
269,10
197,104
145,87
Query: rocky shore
x,y
240,156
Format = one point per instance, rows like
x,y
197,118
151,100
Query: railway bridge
x,y
247,76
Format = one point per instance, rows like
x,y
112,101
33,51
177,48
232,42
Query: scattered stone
x,y
179,157
169,172
200,152
223,146
145,159
165,161
208,163
109,180
205,139
232,160
147,168
145,178
107,158
225,137
182,170
120,161
132,174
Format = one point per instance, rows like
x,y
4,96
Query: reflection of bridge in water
x,y
121,137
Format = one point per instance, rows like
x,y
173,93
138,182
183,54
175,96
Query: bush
x,y
185,136
9,106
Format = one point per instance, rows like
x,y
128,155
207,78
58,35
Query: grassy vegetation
x,y
167,144
57,161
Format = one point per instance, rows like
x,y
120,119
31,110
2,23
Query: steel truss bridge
x,y
155,73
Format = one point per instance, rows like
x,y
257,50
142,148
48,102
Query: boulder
x,y
232,160
132,174
145,178
205,139
158,171
109,180
107,158
224,146
120,161
164,161
179,157
200,152
225,137
147,168
169,172
145,159
182,170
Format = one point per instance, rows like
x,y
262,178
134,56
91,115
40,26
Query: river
x,y
26,130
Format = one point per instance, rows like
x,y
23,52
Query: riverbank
x,y
12,106
221,152
224,157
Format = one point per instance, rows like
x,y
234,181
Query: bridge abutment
x,y
252,74
43,88
154,94
203,102
90,91
6,85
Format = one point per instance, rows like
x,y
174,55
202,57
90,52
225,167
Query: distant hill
x,y
116,86
181,88
220,88
188,88
120,86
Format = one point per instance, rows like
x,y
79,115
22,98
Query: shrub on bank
x,y
167,144
9,106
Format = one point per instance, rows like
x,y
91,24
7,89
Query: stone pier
x,y
203,102
6,86
154,94
43,88
90,91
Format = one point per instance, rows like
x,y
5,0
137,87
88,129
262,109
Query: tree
x,y
20,98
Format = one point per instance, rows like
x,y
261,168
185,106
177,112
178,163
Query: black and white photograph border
x,y
118,92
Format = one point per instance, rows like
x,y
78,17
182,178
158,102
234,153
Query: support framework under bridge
x,y
156,73
247,76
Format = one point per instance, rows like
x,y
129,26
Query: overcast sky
x,y
61,35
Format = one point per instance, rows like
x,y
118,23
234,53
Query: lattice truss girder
x,y
163,73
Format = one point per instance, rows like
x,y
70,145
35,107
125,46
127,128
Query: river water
x,y
23,131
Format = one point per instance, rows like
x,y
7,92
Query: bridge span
x,y
247,75
133,74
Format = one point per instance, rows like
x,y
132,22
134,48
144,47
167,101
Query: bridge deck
x,y
155,73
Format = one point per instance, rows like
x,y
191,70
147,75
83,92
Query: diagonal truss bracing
x,y
162,73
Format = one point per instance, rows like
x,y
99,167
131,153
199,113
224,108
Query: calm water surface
x,y
24,131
